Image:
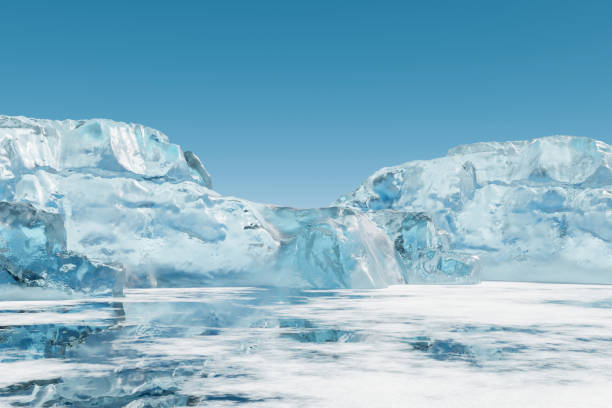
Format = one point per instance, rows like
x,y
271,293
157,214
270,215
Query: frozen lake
x,y
489,345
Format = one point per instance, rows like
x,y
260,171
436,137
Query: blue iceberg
x,y
123,198
535,210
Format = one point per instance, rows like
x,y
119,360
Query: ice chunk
x,y
534,210
97,146
424,250
333,247
33,252
195,163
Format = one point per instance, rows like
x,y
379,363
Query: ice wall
x,y
536,210
33,253
127,196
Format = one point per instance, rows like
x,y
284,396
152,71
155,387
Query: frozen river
x,y
489,345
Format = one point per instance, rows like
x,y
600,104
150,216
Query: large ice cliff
x,y
538,210
120,194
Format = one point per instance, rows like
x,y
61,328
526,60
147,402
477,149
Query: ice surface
x,y
536,210
496,344
127,196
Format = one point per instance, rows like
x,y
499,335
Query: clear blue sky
x,y
295,102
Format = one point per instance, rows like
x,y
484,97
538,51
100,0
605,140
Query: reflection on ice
x,y
442,349
323,336
504,344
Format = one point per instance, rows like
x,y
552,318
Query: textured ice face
x,y
126,195
423,250
531,210
333,247
33,252
94,146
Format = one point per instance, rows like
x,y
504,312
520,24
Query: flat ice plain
x,y
494,344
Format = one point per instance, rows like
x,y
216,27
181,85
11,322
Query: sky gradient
x,y
295,103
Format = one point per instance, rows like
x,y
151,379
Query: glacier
x,y
135,208
536,210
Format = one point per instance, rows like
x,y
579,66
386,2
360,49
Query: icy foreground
x,y
120,194
536,210
410,345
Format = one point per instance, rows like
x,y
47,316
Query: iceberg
x,y
535,210
125,196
